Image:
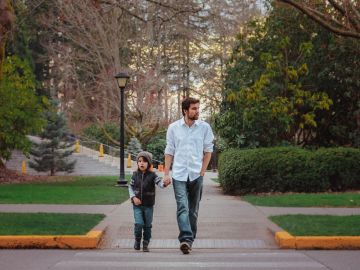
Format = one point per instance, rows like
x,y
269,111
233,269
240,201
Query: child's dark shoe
x,y
146,246
137,244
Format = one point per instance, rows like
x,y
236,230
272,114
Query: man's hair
x,y
185,104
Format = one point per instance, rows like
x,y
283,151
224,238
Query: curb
x,y
88,241
287,241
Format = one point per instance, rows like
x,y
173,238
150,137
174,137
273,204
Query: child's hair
x,y
144,158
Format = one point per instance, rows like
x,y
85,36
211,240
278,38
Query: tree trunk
x,y
6,19
166,106
179,104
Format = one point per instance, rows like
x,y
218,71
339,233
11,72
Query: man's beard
x,y
195,117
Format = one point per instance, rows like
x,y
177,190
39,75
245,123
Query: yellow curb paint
x,y
327,242
286,240
88,241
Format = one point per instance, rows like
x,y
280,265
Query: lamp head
x,y
121,79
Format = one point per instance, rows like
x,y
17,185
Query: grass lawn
x,y
317,225
306,200
216,180
73,190
47,223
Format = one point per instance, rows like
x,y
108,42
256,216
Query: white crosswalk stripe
x,y
172,259
200,243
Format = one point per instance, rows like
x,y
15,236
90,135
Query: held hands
x,y
136,201
167,180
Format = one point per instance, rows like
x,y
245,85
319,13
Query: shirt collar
x,y
182,121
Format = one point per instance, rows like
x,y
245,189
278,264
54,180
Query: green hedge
x,y
286,169
156,146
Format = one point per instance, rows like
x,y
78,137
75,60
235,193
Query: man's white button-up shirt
x,y
187,146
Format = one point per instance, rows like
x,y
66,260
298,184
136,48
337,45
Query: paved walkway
x,y
220,259
86,164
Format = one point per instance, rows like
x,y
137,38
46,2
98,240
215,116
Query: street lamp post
x,y
121,79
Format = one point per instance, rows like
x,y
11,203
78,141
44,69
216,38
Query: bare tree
x,y
339,16
92,41
89,45
170,48
226,18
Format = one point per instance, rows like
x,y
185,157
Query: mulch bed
x,y
10,177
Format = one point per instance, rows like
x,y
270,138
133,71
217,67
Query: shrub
x,y
339,166
157,147
284,169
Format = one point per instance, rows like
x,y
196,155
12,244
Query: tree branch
x,y
353,22
305,9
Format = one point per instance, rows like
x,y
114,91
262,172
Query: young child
x,y
142,195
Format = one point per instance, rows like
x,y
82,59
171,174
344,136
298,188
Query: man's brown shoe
x,y
185,247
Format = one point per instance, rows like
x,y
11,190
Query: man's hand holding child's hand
x,y
166,180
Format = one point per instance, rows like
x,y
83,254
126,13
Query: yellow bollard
x,y
129,163
101,151
77,147
23,167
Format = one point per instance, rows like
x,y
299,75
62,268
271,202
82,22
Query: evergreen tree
x,y
134,146
52,152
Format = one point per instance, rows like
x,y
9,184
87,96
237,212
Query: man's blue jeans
x,y
143,216
188,195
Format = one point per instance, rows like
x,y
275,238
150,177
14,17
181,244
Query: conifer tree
x,y
134,146
51,154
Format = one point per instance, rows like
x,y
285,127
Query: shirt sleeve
x,y
158,181
131,186
170,142
208,140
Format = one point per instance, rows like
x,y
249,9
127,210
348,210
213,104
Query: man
x,y
189,144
